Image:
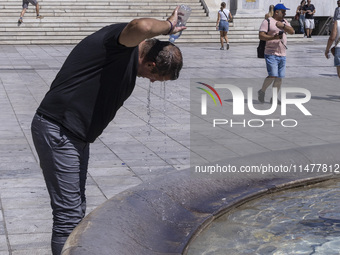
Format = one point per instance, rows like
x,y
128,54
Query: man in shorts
x,y
24,8
309,11
275,51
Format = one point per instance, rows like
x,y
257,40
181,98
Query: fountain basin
x,y
163,216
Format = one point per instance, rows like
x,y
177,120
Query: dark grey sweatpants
x,y
64,161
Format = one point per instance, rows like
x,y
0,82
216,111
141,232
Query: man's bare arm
x,y
140,29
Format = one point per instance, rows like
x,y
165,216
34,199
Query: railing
x,y
205,7
326,26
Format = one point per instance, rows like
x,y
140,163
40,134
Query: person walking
x,y
275,50
334,37
301,14
337,12
222,24
96,78
25,4
309,11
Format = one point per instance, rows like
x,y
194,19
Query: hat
x,y
280,7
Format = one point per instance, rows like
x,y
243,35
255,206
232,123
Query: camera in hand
x,y
281,32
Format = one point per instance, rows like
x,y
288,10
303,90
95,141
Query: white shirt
x,y
338,34
223,14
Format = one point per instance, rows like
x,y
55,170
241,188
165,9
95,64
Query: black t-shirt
x,y
93,83
311,8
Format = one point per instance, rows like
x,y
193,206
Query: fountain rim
x,y
163,216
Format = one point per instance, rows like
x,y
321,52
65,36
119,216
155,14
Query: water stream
x,y
161,124
148,110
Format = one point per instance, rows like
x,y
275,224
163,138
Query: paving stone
x,y
138,145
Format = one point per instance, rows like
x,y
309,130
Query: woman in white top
x,y
222,24
335,36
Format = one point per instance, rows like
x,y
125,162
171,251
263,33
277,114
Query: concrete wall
x,y
323,7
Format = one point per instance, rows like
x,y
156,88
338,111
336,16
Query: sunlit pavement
x,y
150,135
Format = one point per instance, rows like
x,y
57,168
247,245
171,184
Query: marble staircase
x,y
69,21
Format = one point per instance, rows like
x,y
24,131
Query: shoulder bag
x,y
226,15
262,45
297,15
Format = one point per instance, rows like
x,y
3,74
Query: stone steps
x,y
70,4
69,21
65,38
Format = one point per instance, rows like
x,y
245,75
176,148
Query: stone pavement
x,y
149,137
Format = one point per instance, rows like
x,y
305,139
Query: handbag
x,y
261,48
262,45
333,50
297,16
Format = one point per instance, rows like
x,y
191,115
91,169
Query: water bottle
x,y
184,12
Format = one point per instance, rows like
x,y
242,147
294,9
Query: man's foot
x,y
39,17
20,21
222,48
278,101
227,46
261,95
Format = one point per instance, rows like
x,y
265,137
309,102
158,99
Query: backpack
x,y
262,45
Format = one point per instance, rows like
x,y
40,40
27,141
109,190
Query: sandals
x,y
20,21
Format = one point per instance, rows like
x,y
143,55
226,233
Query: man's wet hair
x,y
166,55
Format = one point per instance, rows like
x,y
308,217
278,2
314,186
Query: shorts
x,y
223,26
276,65
337,56
26,2
309,23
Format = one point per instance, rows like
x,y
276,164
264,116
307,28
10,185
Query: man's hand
x,y
174,19
277,36
280,25
140,29
286,28
327,54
